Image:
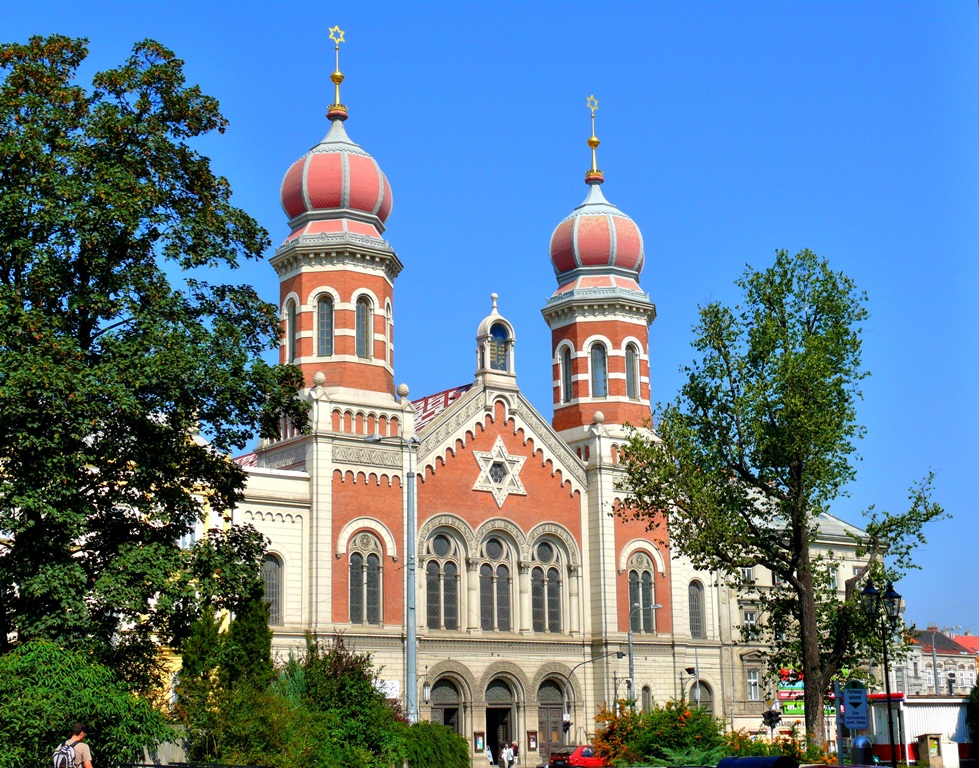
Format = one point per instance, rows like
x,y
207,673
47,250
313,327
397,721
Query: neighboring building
x,y
527,583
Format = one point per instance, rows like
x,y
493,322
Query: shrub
x,y
44,689
431,744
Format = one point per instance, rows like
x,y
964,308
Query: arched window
x,y
701,696
647,698
494,587
389,334
292,333
545,589
272,581
641,593
442,583
632,372
365,327
365,580
566,375
698,623
599,371
499,348
324,326
447,705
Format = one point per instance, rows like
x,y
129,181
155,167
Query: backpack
x,y
64,756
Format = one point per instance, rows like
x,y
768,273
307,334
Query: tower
x,y
599,316
336,272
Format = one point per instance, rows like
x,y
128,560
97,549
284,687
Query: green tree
x,y
972,714
758,444
110,369
44,689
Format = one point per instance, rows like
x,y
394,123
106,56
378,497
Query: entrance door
x,y
499,716
550,718
498,729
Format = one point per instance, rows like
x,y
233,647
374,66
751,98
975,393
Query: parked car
x,y
576,755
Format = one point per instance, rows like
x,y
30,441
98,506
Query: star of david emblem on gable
x,y
499,472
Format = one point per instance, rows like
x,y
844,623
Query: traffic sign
x,y
856,714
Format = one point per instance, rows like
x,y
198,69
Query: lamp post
x,y
411,628
631,685
567,715
885,610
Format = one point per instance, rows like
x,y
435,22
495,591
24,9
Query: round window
x,y
494,549
545,552
441,545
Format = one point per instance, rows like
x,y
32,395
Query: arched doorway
x,y
550,717
499,716
447,705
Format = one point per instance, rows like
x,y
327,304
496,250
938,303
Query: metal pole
x,y
632,660
411,695
887,690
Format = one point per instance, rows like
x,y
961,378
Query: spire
x,y
338,111
593,175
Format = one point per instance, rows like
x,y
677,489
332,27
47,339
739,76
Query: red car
x,y
579,756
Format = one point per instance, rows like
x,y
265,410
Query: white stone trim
x,y
375,526
641,544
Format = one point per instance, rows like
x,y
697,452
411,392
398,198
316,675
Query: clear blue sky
x,y
728,130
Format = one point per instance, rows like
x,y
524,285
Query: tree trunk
x,y
809,635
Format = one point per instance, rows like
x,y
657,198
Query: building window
x,y
292,332
442,583
930,677
632,372
272,581
776,579
364,329
701,696
750,625
833,581
599,371
494,587
695,595
566,375
365,580
499,348
389,334
641,593
748,576
324,326
754,689
546,599
647,698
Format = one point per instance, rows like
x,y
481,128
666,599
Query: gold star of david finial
x,y
593,174
336,108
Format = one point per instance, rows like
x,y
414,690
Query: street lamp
x,y
411,629
631,685
567,715
885,610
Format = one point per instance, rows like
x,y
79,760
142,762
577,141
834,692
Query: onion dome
x,y
336,179
597,241
336,176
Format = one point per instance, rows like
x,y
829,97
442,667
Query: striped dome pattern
x,y
595,237
336,175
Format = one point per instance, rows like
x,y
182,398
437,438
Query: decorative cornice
x,y
546,434
463,411
315,251
367,456
281,459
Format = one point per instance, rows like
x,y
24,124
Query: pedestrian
x,y
489,754
515,749
77,747
506,756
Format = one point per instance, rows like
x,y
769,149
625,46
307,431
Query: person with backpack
x,y
74,753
